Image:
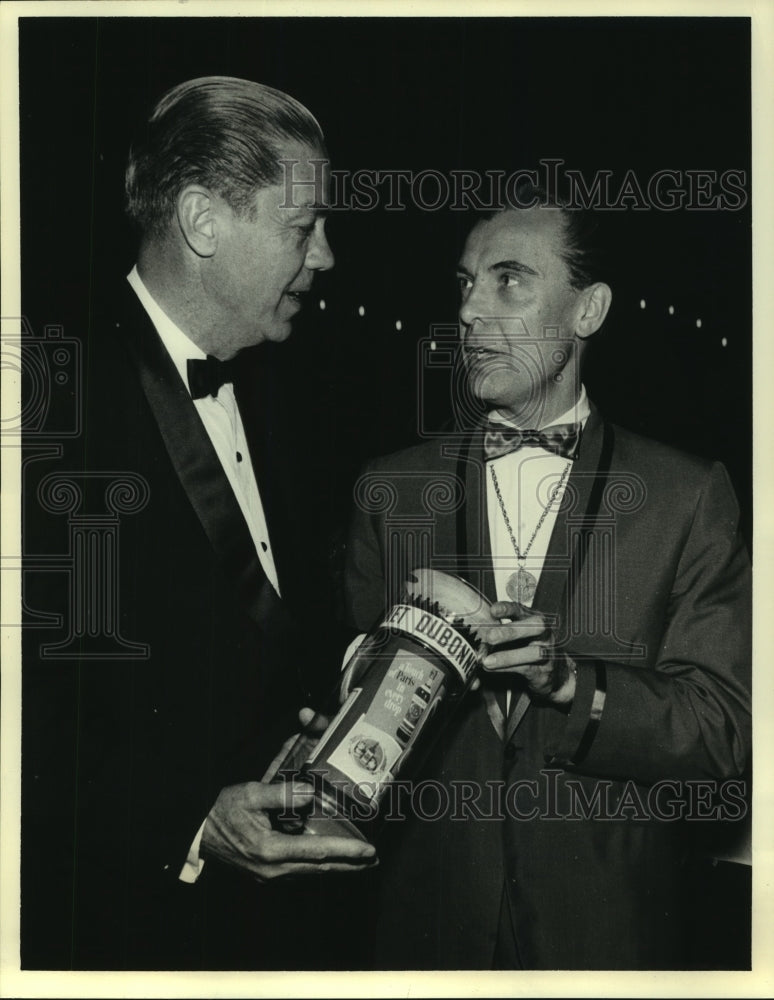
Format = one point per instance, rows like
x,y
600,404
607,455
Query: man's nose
x,y
319,256
471,307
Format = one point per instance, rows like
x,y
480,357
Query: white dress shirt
x,y
223,424
526,478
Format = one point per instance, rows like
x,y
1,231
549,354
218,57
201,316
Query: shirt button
x,y
510,751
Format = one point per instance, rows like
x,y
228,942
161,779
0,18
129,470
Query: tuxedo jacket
x,y
560,843
168,667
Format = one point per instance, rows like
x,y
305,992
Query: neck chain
x,y
522,585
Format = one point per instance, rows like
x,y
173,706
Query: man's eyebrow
x,y
513,265
502,265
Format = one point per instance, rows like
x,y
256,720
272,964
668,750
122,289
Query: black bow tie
x,y
561,439
205,377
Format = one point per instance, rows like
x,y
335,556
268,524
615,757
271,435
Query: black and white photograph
x,y
378,499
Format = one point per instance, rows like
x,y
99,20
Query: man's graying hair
x,y
221,132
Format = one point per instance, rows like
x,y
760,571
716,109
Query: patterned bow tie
x,y
561,439
205,377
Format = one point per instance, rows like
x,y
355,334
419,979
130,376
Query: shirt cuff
x,y
194,863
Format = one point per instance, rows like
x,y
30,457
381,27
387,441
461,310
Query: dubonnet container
x,y
400,688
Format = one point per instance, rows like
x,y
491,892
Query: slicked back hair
x,y
221,132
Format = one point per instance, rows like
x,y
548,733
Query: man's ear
x,y
196,218
594,304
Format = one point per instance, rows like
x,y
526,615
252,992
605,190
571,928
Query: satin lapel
x,y
475,554
574,509
472,543
555,590
194,459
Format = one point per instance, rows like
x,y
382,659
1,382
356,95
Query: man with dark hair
x,y
616,693
147,833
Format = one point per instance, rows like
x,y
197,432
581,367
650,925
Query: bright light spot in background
x,y
671,310
322,303
698,324
361,311
724,342
398,325
432,345
642,303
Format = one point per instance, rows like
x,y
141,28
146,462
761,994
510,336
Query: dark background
x,y
415,94
443,94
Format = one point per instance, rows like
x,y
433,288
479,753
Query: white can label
x,y
436,633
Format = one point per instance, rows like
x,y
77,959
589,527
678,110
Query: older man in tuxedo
x,y
147,833
617,686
